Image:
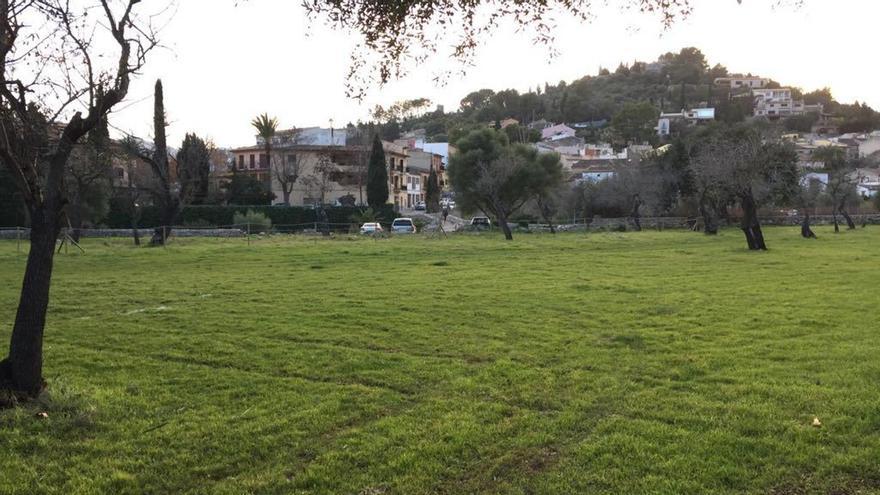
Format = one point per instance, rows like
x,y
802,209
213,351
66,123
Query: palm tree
x,y
266,127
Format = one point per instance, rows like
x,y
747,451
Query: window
x,y
241,162
252,162
120,173
264,160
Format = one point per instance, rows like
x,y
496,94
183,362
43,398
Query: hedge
x,y
223,215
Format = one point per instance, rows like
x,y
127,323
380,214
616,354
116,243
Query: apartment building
x,y
321,173
776,103
420,165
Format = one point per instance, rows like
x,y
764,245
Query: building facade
x,y
321,174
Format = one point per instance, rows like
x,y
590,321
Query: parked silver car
x,y
403,226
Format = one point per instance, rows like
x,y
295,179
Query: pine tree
x,y
377,177
194,169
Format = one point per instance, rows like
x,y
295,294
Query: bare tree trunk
x,y
286,193
834,217
74,215
169,217
22,371
751,226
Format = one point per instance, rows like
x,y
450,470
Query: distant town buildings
x,y
322,169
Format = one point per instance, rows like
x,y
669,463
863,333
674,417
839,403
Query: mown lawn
x,y
602,363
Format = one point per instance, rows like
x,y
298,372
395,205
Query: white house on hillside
x,y
590,171
557,131
741,82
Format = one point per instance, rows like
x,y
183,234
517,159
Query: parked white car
x,y
481,222
371,228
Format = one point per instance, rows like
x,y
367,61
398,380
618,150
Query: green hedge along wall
x,y
222,216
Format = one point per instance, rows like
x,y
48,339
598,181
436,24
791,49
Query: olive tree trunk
x,y
849,221
502,222
806,231
710,223
634,213
750,225
21,372
546,213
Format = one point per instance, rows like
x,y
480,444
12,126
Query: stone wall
x,y
144,233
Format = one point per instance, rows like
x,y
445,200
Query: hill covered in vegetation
x,y
675,81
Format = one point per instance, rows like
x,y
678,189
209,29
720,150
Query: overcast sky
x,y
227,61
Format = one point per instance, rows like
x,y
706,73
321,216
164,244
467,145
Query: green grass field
x,y
602,363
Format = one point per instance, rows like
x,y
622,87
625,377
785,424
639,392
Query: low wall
x,y
661,223
144,233
596,224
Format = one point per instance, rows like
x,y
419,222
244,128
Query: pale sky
x,y
227,61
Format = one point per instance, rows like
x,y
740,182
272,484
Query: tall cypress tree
x,y
432,195
166,199
377,176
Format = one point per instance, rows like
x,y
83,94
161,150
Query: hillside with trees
x,y
675,81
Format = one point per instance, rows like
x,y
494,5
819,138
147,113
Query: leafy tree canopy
x,y
401,33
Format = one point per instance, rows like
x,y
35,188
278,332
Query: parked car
x,y
481,222
403,226
447,203
421,206
371,228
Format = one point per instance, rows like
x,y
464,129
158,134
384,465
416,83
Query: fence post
x,y
17,239
248,234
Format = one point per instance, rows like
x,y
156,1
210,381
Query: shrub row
x,y
224,215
